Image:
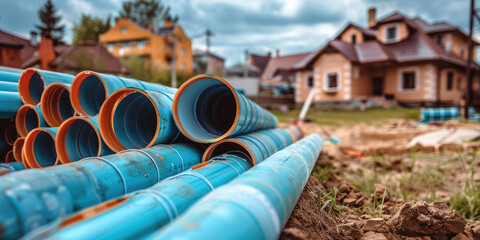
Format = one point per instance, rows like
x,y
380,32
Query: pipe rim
x,y
20,119
24,159
29,145
60,140
208,152
24,85
75,89
17,149
107,111
10,139
183,87
9,157
49,103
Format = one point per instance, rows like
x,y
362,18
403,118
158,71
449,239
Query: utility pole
x,y
208,34
469,88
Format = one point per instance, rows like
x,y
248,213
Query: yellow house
x,y
126,39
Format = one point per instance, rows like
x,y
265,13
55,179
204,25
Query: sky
x,y
259,26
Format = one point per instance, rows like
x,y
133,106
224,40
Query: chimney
x,y
269,54
371,17
277,53
168,23
33,38
46,52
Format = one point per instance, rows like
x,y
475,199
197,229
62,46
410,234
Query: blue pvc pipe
x,y
55,103
133,118
10,103
255,205
207,109
12,166
78,138
39,196
257,145
39,147
6,76
33,82
138,215
28,118
90,89
8,86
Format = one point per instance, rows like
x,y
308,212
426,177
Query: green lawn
x,y
337,116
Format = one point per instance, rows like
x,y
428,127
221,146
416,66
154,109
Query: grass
x,y
337,116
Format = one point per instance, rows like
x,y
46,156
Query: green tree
x,y
90,28
145,12
50,23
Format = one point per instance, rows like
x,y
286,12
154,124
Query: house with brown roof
x,y
84,55
10,51
163,46
278,70
207,62
398,58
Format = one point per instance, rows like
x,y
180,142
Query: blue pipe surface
x,y
28,118
133,118
138,215
255,205
207,109
6,76
13,166
33,82
90,89
8,86
10,103
34,197
78,138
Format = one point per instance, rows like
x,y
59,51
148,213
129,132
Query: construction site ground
x,y
375,185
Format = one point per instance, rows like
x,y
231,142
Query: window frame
x,y
111,46
123,30
397,32
326,79
450,79
307,76
126,45
401,72
140,46
353,38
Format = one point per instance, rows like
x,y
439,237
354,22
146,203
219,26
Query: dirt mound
x,y
417,219
350,196
307,220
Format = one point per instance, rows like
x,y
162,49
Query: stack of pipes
x,y
114,152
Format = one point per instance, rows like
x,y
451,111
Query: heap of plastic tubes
x,y
104,153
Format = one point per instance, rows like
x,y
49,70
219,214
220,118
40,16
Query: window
x,y
184,67
353,39
391,34
332,81
459,83
126,45
449,81
111,46
270,75
439,39
184,52
408,81
310,82
448,46
123,30
141,44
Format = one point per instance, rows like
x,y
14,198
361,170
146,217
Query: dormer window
x,y
123,30
391,34
353,39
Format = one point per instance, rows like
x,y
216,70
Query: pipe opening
x,y
31,86
41,149
230,147
56,105
206,109
135,120
9,157
77,139
36,87
17,149
10,134
26,120
91,95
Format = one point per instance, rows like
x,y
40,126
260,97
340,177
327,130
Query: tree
x,y
146,12
90,28
50,23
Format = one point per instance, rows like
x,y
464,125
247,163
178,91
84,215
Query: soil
x,y
356,215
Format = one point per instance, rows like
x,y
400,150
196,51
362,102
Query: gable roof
x,y
419,46
9,40
369,33
282,63
260,61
